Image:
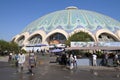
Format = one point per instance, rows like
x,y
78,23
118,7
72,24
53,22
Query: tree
x,y
14,47
6,47
3,45
79,36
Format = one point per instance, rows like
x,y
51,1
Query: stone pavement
x,y
4,58
53,71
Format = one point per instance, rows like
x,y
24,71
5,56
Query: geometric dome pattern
x,y
72,18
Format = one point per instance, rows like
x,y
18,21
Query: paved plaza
x,y
48,70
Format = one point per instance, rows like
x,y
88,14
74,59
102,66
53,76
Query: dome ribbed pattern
x,y
72,18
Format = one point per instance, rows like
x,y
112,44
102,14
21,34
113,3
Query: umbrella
x,y
56,50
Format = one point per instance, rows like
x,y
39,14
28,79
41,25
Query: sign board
x,y
92,44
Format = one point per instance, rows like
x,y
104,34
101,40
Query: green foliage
x,y
79,36
3,45
8,47
99,54
14,47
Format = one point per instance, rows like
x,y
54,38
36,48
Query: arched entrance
x,y
20,40
36,39
106,37
56,38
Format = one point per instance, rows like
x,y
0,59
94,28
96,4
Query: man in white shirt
x,y
94,59
71,61
21,61
75,61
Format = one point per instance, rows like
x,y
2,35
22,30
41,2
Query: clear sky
x,y
15,15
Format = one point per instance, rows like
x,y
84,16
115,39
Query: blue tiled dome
x,y
72,18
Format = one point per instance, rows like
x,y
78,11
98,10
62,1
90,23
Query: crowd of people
x,y
69,61
20,60
105,60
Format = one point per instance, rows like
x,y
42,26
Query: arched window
x,y
106,37
57,38
36,39
20,40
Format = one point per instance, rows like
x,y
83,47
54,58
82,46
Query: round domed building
x,y
56,27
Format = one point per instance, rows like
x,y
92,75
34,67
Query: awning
x,y
36,45
39,45
56,50
93,48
